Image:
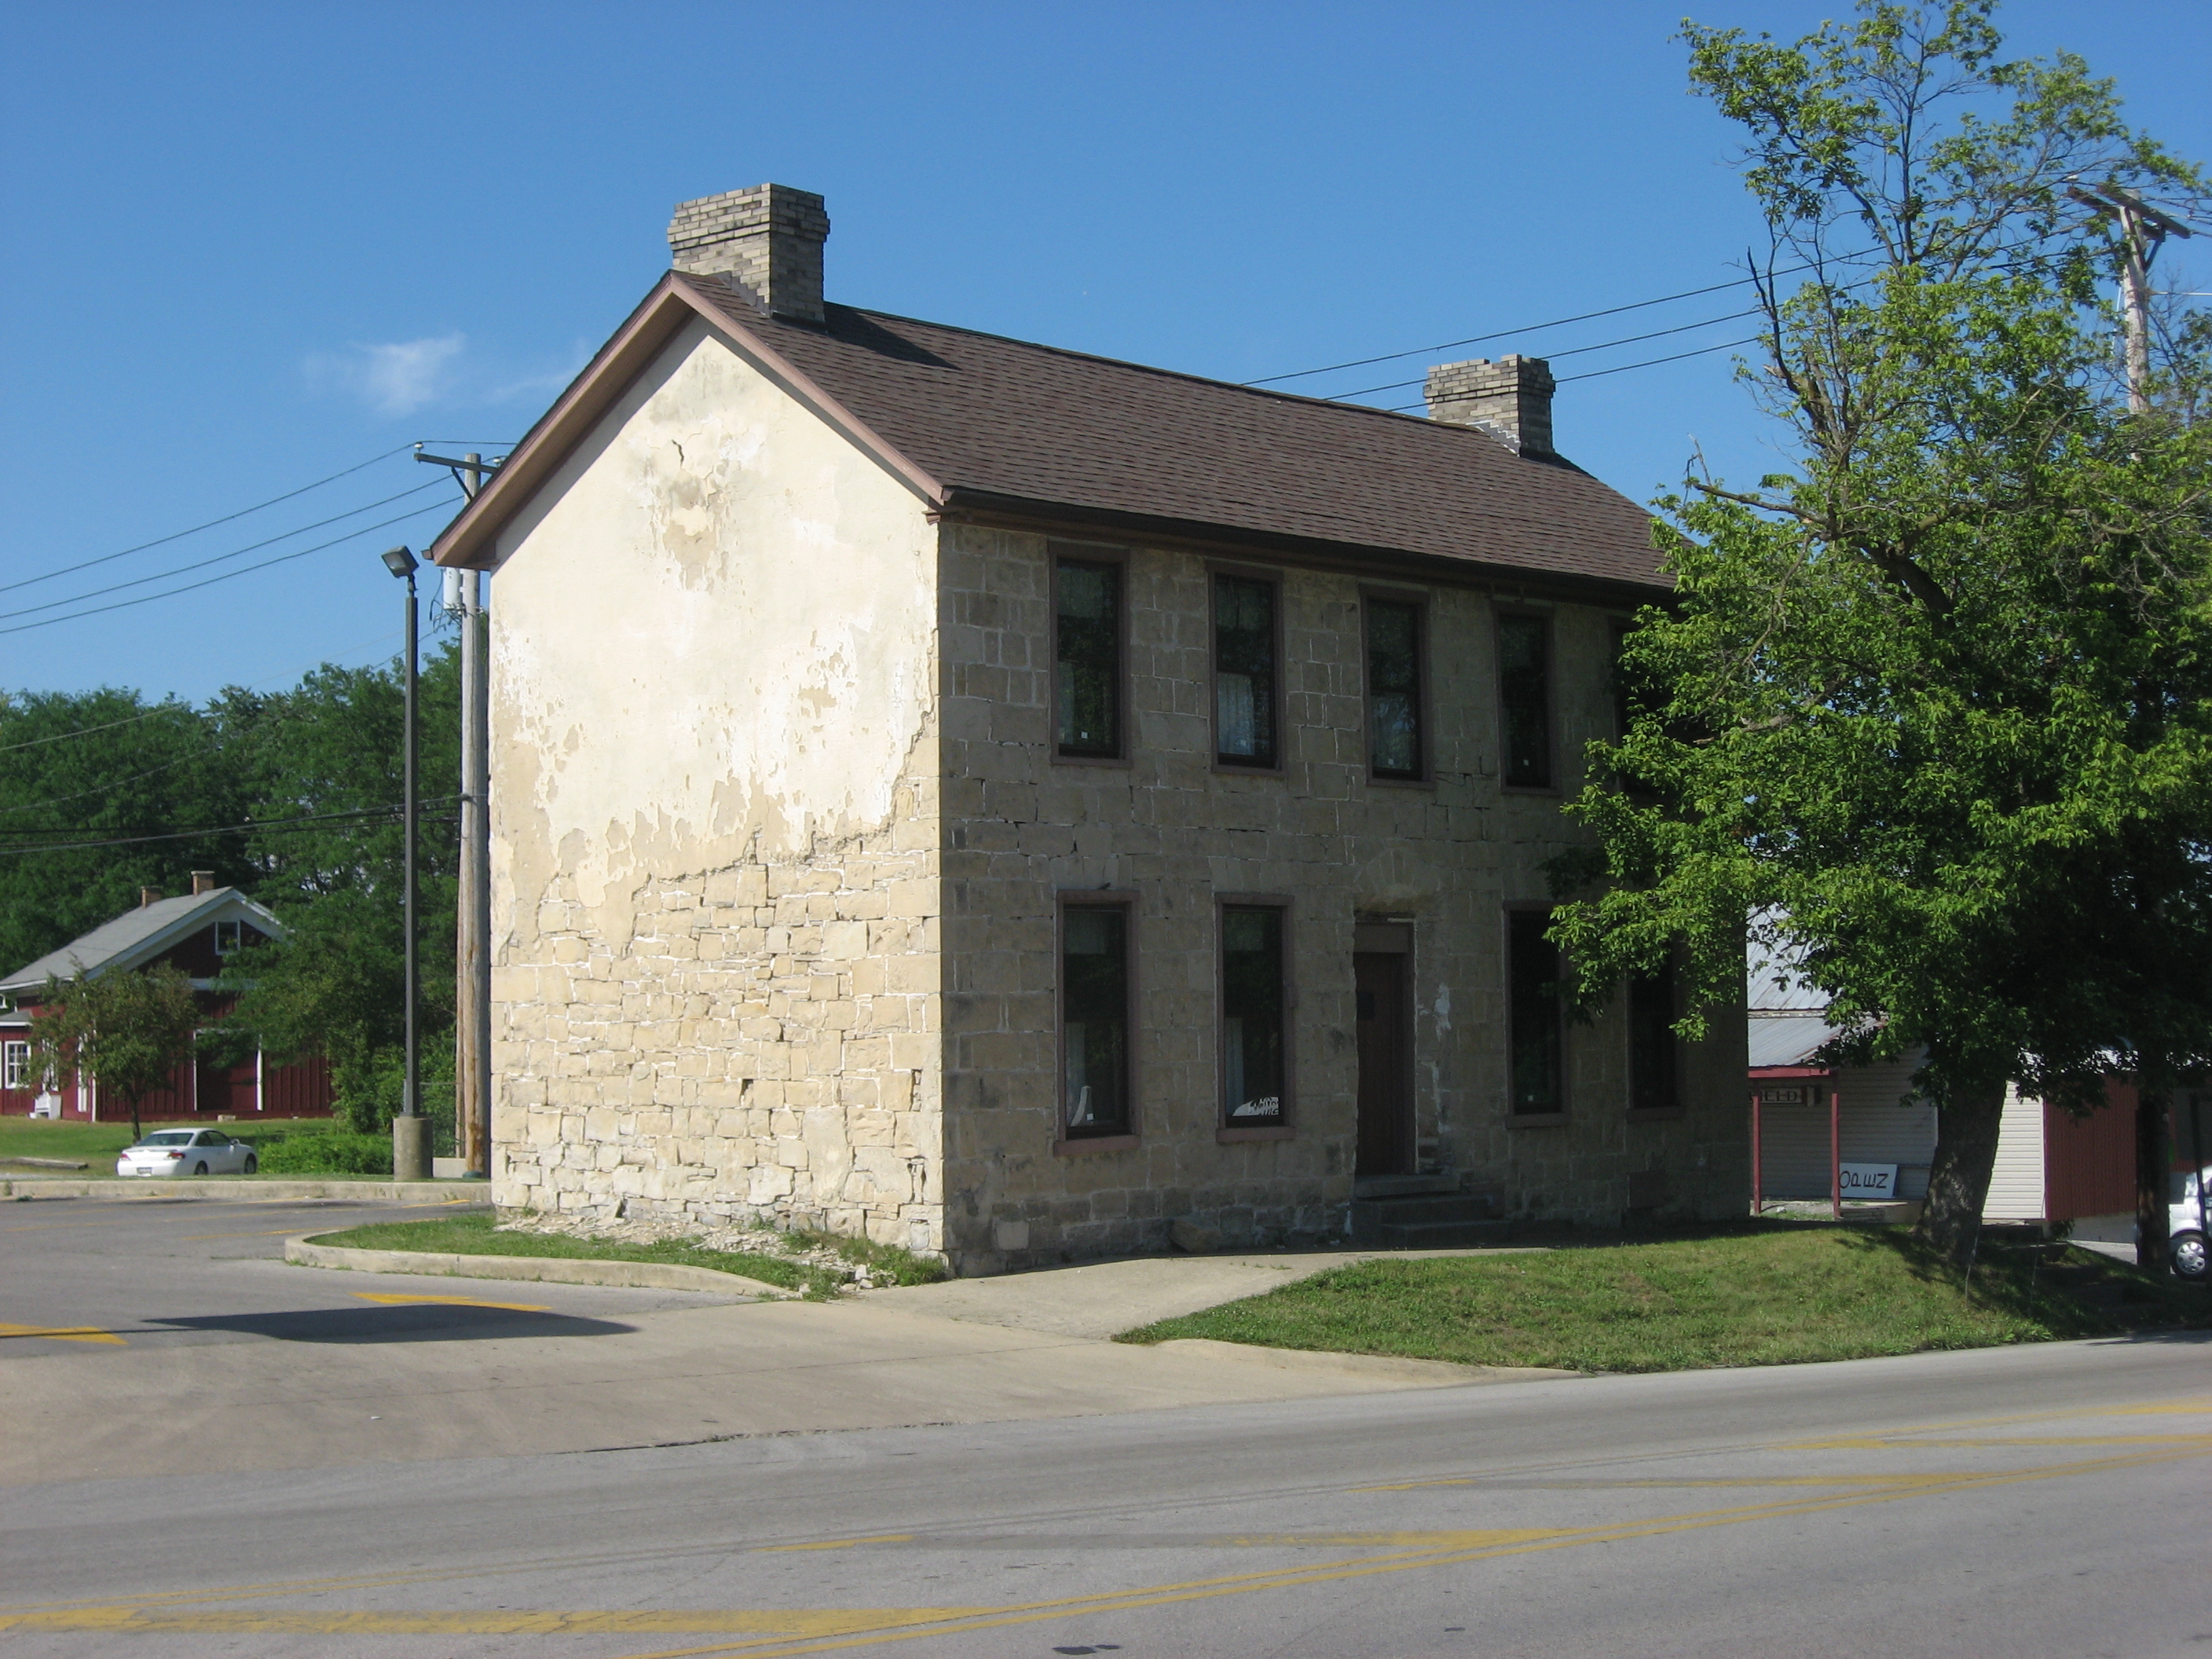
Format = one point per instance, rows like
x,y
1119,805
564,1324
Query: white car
x,y
187,1152
2185,1224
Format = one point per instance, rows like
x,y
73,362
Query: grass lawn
x,y
1767,1297
473,1235
320,1147
97,1144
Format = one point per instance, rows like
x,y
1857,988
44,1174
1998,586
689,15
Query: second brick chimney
x,y
203,882
767,240
1510,399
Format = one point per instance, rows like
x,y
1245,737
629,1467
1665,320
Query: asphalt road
x,y
2032,1501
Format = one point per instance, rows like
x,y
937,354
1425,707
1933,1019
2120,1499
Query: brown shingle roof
x,y
1035,423
978,421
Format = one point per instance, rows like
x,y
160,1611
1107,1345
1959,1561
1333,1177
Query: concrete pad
x,y
1104,1299
665,1377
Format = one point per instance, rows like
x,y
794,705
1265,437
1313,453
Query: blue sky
x,y
251,245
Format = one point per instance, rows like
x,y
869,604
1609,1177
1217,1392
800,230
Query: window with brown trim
x,y
1524,699
1094,1020
1536,1041
1396,745
1255,1000
1087,657
1244,673
1654,1061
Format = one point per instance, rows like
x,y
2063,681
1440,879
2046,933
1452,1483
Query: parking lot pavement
x,y
113,1311
165,1271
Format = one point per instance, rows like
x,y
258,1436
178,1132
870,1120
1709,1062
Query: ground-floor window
x,y
1094,1020
1254,1080
1539,1081
1653,1064
15,1064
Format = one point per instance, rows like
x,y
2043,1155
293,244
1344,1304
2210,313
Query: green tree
x,y
331,751
127,1032
105,767
1933,706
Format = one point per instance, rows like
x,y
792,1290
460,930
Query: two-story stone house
x,y
1009,802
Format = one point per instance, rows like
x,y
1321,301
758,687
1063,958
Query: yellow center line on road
x,y
395,1298
837,1543
1914,1443
783,1631
56,1614
62,1333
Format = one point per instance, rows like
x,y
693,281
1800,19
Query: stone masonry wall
x,y
1446,857
716,822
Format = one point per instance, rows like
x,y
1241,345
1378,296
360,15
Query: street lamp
x,y
410,1130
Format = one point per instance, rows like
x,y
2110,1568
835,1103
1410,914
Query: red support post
x,y
1836,1152
1758,1189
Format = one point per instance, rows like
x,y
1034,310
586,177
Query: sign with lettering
x,y
1869,1180
1783,1094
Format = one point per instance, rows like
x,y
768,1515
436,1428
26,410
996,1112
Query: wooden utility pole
x,y
465,600
2143,230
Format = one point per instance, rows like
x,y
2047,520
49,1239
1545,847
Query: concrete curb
x,y
218,1187
302,1251
1419,1373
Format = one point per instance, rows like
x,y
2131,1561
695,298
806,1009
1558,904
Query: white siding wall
x,y
1882,1123
2017,1182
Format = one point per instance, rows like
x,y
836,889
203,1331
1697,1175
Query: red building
x,y
195,933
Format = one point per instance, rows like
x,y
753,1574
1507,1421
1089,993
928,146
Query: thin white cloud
x,y
407,375
395,379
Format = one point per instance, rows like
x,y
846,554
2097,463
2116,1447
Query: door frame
x,y
1391,939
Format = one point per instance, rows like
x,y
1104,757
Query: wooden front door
x,y
1386,1070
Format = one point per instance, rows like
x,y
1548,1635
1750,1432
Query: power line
x,y
161,541
289,825
209,581
234,553
1557,322
1623,368
158,710
102,789
1572,351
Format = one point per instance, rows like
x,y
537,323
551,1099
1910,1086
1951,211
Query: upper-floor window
x,y
1244,677
1524,699
1255,1091
1087,653
229,936
1094,1020
1395,746
1653,1064
1535,1039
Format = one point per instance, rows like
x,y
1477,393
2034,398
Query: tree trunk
x,y
2152,1162
1959,1179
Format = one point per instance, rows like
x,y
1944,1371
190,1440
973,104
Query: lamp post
x,y
410,1130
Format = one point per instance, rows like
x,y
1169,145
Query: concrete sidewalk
x,y
1102,1299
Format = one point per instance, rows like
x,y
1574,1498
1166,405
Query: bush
x,y
369,1097
329,1152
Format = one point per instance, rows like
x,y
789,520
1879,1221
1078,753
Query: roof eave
x,y
468,543
1364,558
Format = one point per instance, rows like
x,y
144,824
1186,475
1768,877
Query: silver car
x,y
187,1152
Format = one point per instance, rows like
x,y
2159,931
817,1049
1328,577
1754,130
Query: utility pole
x,y
411,1136
2143,230
463,600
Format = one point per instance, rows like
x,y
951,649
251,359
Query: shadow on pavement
x,y
422,1322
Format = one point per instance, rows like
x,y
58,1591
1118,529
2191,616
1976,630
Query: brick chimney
x,y
149,895
767,240
1510,399
203,882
